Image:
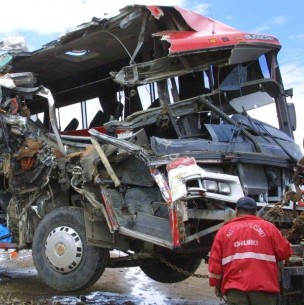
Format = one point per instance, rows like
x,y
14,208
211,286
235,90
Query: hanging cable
x,y
125,48
300,65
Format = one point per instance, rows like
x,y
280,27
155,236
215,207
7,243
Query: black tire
x,y
160,272
61,255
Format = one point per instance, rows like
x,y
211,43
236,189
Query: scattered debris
x,y
154,181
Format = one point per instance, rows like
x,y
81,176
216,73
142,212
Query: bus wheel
x,y
61,255
161,272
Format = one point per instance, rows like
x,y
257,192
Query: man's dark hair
x,y
246,211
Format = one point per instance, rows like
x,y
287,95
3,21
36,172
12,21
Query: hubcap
x,y
63,249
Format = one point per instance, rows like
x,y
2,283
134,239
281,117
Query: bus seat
x,y
73,125
98,120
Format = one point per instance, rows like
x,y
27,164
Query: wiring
x,y
298,66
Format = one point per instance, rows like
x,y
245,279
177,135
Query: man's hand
x,y
218,293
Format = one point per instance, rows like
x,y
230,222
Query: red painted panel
x,y
208,33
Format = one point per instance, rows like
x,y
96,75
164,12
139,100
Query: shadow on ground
x,y
20,285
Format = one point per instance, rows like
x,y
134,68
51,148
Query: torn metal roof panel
x,y
143,37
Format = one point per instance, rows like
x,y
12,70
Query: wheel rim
x,y
64,249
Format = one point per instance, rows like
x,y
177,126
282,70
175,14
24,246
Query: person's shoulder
x,y
228,224
263,220
266,223
222,230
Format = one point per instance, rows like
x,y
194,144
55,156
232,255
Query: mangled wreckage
x,y
154,181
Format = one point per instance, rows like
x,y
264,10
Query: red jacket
x,y
245,253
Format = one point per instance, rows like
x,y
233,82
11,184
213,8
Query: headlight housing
x,y
224,188
216,187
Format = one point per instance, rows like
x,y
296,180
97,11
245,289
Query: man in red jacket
x,y
244,255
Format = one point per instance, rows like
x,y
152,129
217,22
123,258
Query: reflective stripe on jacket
x,y
245,253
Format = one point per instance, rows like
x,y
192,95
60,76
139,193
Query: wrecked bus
x,y
159,166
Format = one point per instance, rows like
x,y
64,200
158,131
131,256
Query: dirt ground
x,y
20,285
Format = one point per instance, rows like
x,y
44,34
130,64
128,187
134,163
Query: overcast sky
x,y
41,21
